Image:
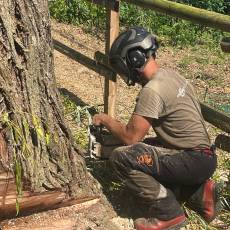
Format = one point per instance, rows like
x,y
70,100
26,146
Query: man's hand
x,y
131,133
98,119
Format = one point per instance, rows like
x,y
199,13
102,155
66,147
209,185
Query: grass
x,y
206,68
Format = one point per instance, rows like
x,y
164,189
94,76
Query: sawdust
x,y
91,215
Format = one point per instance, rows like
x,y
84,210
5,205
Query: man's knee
x,y
118,158
121,154
119,162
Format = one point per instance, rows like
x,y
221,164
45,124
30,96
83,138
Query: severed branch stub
x,y
225,44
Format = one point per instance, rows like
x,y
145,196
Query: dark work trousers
x,y
155,174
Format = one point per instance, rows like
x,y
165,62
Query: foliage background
x,y
172,31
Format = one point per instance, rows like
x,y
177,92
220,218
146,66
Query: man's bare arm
x,y
131,133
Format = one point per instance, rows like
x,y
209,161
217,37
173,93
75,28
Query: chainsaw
x,y
101,142
94,135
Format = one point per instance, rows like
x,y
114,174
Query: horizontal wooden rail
x,y
82,59
200,16
223,142
101,58
217,118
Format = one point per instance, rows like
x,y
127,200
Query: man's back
x,y
170,100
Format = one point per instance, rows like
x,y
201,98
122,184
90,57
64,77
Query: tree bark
x,y
35,144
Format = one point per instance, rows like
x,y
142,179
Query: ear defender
x,y
136,58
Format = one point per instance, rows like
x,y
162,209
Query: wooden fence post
x,y
112,32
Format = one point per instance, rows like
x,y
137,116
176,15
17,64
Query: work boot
x,y
156,224
206,200
165,213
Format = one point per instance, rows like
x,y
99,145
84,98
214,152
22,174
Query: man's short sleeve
x,y
149,104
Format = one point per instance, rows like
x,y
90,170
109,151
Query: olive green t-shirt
x,y
170,101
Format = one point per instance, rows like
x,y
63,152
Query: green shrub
x,y
171,30
77,12
220,6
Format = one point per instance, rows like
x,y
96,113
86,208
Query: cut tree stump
x,y
30,202
79,216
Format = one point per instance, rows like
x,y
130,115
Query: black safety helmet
x,y
130,51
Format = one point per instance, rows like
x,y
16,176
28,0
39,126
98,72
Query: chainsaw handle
x,y
98,126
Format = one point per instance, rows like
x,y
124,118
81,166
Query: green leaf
x,y
26,126
17,207
5,117
35,120
40,132
48,138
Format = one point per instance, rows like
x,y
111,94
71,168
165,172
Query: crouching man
x,y
175,166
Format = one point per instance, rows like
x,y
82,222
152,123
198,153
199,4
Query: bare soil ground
x,y
209,75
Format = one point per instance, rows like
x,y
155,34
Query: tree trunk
x,y
35,144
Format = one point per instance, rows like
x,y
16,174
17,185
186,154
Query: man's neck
x,y
150,69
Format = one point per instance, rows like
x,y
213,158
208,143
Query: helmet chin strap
x,y
135,77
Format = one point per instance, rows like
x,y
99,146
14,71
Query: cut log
x,y
87,215
35,202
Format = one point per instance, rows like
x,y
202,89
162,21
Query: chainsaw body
x,y
101,142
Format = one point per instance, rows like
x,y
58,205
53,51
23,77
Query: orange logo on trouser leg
x,y
145,159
